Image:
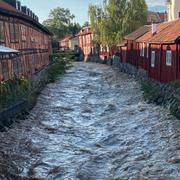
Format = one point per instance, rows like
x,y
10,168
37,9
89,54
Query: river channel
x,y
92,124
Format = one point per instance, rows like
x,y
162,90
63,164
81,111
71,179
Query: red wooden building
x,y
132,46
85,41
64,43
21,31
161,57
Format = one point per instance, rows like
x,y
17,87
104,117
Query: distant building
x,y
73,42
64,43
85,41
69,42
156,17
173,9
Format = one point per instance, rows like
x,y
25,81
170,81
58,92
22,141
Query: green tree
x,y
60,23
116,19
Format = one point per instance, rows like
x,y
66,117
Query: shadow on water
x,y
92,124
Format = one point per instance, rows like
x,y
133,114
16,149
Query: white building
x,y
73,42
173,9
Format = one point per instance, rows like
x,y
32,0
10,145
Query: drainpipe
x,y
161,63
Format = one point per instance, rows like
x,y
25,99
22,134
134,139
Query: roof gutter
x,y
177,41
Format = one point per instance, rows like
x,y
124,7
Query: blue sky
x,y
77,7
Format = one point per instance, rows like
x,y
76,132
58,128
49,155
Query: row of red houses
x,y
84,39
155,49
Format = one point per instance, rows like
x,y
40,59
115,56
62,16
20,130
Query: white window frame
x,y
147,50
153,58
168,58
142,49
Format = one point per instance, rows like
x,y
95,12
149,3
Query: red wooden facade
x,y
132,46
85,41
158,53
25,34
64,43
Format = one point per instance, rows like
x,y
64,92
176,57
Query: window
x,y
153,58
5,70
2,31
15,67
23,31
168,58
142,49
179,14
147,50
14,32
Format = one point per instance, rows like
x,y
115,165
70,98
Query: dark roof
x,y
9,10
138,33
66,38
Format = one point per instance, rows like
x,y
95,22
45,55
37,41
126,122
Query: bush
x,y
60,63
13,91
167,95
20,89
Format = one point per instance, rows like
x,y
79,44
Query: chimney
x,y
154,28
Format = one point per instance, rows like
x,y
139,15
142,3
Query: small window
x,y
147,50
153,58
168,58
142,49
23,32
5,70
2,31
14,32
15,67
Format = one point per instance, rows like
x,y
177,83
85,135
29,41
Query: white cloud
x,y
155,2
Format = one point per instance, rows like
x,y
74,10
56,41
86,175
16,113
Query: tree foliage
x,y
60,23
116,19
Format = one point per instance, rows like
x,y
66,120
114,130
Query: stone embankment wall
x,y
167,95
38,81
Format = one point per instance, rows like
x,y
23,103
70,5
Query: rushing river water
x,y
92,124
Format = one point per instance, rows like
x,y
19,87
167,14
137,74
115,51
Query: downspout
x,y
161,63
177,42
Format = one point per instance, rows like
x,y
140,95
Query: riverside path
x,y
92,124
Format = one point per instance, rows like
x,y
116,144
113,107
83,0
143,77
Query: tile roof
x,y
167,32
123,43
138,33
8,7
66,38
84,31
9,10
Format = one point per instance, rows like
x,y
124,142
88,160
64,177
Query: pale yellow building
x,y
173,9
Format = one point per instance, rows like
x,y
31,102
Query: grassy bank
x,y
167,95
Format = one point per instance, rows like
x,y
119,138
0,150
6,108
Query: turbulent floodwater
x,y
92,124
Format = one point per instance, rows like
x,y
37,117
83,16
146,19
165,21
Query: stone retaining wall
x,y
167,95
38,81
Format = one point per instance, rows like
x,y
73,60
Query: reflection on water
x,y
92,124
